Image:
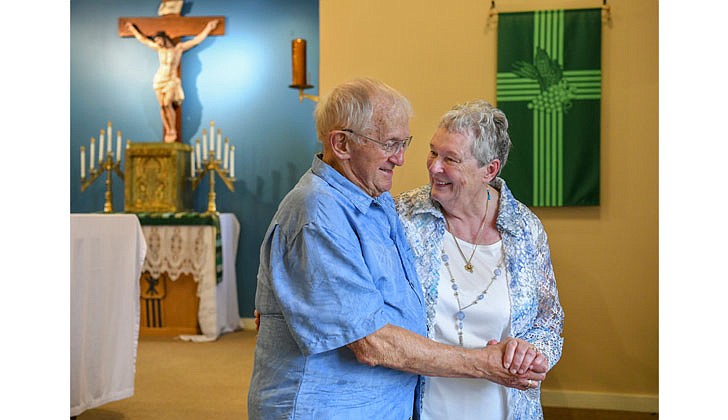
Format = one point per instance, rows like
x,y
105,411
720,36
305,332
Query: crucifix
x,y
164,34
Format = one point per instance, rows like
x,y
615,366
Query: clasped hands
x,y
520,364
523,366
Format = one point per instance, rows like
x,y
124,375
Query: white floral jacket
x,y
536,314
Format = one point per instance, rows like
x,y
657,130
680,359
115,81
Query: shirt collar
x,y
359,199
509,218
509,214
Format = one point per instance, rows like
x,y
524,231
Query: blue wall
x,y
239,80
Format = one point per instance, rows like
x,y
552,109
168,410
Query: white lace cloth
x,y
190,249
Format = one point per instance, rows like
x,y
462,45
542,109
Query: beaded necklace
x,y
460,314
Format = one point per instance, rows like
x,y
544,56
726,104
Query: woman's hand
x,y
530,378
520,357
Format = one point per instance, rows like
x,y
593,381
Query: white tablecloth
x,y
107,252
190,249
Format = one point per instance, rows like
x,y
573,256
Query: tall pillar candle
x,y
227,151
101,146
118,146
212,136
109,134
204,145
219,144
232,161
197,152
83,162
91,154
298,58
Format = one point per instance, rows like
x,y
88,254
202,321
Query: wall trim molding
x,y
248,324
600,400
573,399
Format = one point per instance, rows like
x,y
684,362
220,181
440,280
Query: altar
x,y
107,252
188,280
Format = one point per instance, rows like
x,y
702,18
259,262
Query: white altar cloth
x,y
190,249
107,251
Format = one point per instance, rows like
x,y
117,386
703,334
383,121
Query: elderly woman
x,y
484,263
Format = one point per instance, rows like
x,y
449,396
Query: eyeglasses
x,y
390,146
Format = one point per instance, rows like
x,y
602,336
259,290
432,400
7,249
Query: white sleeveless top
x,y
464,399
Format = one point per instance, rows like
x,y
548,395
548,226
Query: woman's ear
x,y
491,170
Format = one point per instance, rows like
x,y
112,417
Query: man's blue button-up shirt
x,y
334,267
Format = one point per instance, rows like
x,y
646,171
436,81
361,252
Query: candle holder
x,y
302,95
298,61
107,165
212,163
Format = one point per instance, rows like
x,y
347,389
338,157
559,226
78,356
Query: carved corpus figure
x,y
167,84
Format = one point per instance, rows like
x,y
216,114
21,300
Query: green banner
x,y
549,86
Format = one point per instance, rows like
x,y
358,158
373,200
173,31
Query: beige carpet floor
x,y
178,380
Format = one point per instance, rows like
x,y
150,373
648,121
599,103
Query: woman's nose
x,y
434,165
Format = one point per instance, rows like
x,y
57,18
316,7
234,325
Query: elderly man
x,y
342,315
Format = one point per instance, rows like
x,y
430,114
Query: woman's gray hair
x,y
354,105
485,124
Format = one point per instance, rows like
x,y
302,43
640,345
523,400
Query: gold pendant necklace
x,y
468,261
460,314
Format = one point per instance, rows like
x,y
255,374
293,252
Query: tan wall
x,y
606,258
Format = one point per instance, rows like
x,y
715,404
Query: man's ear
x,y
340,145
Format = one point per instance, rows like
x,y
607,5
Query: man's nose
x,y
398,158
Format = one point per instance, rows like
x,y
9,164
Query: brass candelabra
x,y
108,164
220,160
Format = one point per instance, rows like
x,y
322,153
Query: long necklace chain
x,y
469,261
460,314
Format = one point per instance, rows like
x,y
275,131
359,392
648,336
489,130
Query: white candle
x,y
212,135
197,152
101,146
232,161
118,146
227,150
204,145
83,162
219,141
110,133
192,164
92,160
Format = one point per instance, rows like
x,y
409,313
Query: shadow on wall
x,y
255,206
191,106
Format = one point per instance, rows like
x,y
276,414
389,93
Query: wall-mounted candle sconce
x,y
298,60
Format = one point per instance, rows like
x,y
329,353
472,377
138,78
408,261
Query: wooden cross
x,y
176,26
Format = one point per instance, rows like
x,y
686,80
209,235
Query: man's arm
x,y
401,349
186,45
138,35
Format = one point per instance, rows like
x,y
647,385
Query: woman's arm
x,y
545,331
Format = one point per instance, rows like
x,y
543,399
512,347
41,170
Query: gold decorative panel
x,y
156,177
